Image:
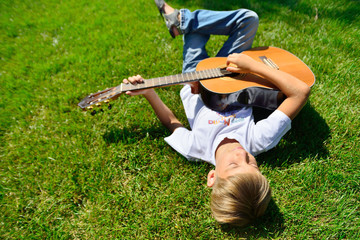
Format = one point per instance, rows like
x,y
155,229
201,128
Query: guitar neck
x,y
174,79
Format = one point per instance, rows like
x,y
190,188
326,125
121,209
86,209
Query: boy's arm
x,y
164,114
296,91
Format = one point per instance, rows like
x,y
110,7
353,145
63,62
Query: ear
x,y
211,178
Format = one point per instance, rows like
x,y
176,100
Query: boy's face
x,y
232,162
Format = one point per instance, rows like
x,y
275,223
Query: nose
x,y
241,156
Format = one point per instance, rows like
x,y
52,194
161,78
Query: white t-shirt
x,y
209,128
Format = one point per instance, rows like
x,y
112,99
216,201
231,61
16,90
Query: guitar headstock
x,y
96,100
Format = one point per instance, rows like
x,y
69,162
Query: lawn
x,y
65,174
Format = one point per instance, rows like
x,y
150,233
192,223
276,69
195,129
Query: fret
x,y
186,77
212,72
158,81
198,75
136,87
195,76
147,84
143,84
162,81
125,87
219,71
192,75
216,72
208,74
180,78
153,82
202,75
169,80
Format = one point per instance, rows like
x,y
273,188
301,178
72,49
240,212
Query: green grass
x,y
66,174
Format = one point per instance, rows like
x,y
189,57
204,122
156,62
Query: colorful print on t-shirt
x,y
226,120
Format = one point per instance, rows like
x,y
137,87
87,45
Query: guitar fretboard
x,y
174,79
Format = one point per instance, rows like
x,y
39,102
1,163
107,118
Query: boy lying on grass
x,y
228,140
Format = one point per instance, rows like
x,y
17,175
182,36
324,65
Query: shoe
x,y
171,20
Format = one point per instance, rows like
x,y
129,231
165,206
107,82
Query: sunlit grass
x,y
67,174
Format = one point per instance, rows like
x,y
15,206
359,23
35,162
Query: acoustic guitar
x,y
222,90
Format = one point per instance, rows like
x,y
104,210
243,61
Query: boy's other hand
x,y
135,80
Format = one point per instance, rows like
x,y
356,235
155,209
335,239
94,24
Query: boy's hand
x,y
135,80
240,63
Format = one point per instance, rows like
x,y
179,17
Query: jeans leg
x,y
242,34
240,25
194,50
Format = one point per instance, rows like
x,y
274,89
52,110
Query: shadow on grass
x,y
306,139
264,227
132,135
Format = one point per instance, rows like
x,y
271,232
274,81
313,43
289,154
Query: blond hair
x,y
240,199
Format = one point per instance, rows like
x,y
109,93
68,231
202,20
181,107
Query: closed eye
x,y
255,166
233,164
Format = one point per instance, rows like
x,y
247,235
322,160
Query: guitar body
x,y
226,93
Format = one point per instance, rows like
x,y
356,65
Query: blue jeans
x,y
240,25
